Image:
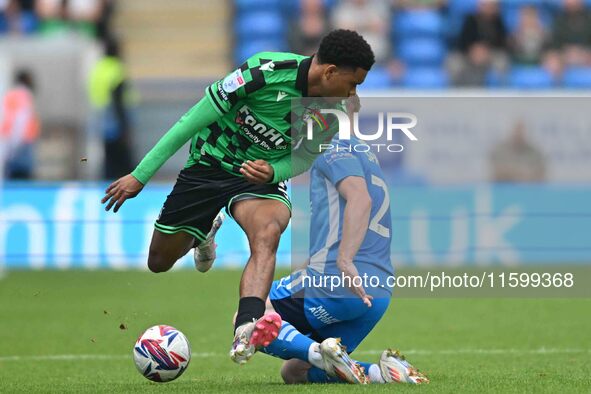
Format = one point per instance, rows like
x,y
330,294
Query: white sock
x,y
375,374
314,356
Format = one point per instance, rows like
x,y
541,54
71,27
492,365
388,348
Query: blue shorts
x,y
321,316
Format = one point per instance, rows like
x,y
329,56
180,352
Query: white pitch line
x,y
96,357
91,357
481,351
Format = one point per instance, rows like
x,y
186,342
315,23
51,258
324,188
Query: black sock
x,y
249,308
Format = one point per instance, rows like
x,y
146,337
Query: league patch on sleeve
x,y
233,81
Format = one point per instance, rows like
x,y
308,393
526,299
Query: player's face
x,y
342,81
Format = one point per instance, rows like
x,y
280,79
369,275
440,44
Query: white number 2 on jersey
x,y
374,224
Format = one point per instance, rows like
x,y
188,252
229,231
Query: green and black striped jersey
x,y
254,104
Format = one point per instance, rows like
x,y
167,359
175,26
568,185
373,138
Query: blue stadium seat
x,y
3,24
495,79
257,5
244,50
418,23
577,78
422,51
462,7
425,78
259,25
457,11
530,78
521,3
377,78
29,22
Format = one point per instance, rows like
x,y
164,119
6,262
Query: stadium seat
x,y
378,78
495,79
422,51
530,78
3,24
577,78
259,25
257,5
521,3
457,11
462,7
246,49
418,23
425,78
29,22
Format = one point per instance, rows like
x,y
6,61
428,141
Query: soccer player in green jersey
x,y
241,154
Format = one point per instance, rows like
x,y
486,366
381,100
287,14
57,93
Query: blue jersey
x,y
328,207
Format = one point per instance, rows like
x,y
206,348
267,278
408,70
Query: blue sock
x,y
290,343
365,366
317,375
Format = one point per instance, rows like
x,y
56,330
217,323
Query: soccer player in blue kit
x,y
349,238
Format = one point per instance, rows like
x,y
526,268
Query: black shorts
x,y
201,192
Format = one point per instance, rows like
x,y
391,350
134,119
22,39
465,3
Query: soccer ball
x,y
162,353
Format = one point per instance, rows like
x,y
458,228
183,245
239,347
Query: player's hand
x,y
258,171
120,190
350,271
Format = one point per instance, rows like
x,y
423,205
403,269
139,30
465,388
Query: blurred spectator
x,y
482,47
63,15
484,27
419,4
475,68
309,28
110,99
517,159
17,16
103,25
553,64
572,33
371,19
530,39
19,128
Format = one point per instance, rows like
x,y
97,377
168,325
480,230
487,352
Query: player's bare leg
x,y
166,249
263,221
295,371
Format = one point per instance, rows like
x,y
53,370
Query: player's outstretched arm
x,y
122,189
129,186
355,223
195,120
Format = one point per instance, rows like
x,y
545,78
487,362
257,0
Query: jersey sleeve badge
x,y
233,81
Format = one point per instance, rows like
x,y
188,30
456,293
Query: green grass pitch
x,y
74,332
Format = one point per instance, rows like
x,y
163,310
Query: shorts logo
x,y
233,81
321,314
266,137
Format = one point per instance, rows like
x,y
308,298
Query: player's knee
x,y
266,239
294,373
157,262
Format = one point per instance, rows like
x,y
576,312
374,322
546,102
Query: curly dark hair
x,y
345,48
